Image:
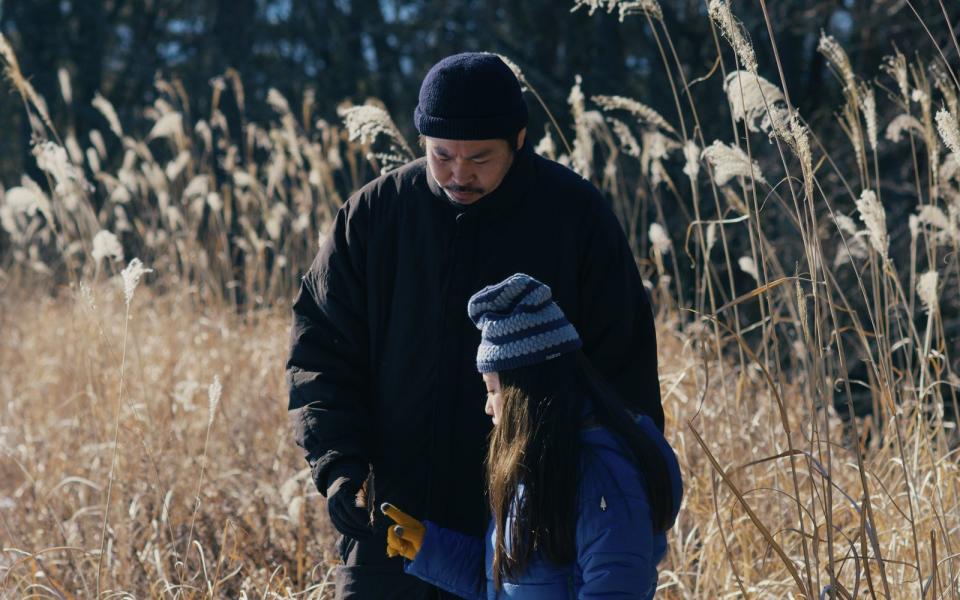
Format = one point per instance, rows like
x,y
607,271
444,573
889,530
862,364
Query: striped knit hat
x,y
520,325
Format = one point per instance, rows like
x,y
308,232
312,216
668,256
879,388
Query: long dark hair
x,y
537,445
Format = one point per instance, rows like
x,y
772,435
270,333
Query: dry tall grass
x,y
125,470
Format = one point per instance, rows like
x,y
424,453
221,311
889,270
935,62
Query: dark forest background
x,y
354,49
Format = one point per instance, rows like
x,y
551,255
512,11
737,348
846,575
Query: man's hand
x,y
406,537
346,506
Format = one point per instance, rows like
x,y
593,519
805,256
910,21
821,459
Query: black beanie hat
x,y
470,96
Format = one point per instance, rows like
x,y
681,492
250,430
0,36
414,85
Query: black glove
x,y
347,515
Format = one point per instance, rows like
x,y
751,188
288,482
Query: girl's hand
x,y
405,538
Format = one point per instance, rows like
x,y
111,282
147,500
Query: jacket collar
x,y
511,191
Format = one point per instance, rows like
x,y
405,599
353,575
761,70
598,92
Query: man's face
x,y
468,170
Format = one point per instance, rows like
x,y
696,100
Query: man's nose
x,y
461,173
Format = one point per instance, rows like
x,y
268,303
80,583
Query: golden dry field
x,y
807,330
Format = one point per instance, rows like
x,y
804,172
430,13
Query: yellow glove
x,y
405,538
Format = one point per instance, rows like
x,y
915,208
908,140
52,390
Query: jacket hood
x,y
602,437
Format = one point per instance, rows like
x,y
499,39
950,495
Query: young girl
x,y
581,492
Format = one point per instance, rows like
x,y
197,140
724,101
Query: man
x,y
384,395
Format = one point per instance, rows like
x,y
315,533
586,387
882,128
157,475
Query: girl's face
x,y
494,397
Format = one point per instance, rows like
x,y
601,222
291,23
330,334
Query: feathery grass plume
x,y
752,99
524,86
546,146
953,210
896,67
96,139
19,203
69,182
729,162
927,290
206,134
945,230
855,247
365,123
734,31
933,216
10,58
277,101
797,136
121,194
274,221
73,149
582,156
659,239
121,222
213,396
63,76
949,131
869,105
644,114
950,168
93,159
30,198
106,109
22,200
169,125
901,124
803,315
837,57
944,84
845,224
628,143
131,278
215,202
655,147
22,84
748,266
691,155
177,165
874,217
625,8
106,245
198,186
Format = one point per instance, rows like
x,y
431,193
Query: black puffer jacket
x,y
382,364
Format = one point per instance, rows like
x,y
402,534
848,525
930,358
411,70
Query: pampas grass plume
x,y
733,30
213,395
875,218
927,290
949,131
729,162
131,278
106,244
659,239
748,266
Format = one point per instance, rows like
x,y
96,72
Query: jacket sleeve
x,y
451,561
617,550
328,367
616,323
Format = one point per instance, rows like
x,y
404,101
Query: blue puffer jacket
x,y
617,549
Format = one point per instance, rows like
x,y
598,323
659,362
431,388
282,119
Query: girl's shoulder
x,y
607,467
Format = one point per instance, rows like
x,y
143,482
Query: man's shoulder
x,y
406,178
565,189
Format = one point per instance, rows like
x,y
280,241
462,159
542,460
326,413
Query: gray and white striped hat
x,y
520,325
